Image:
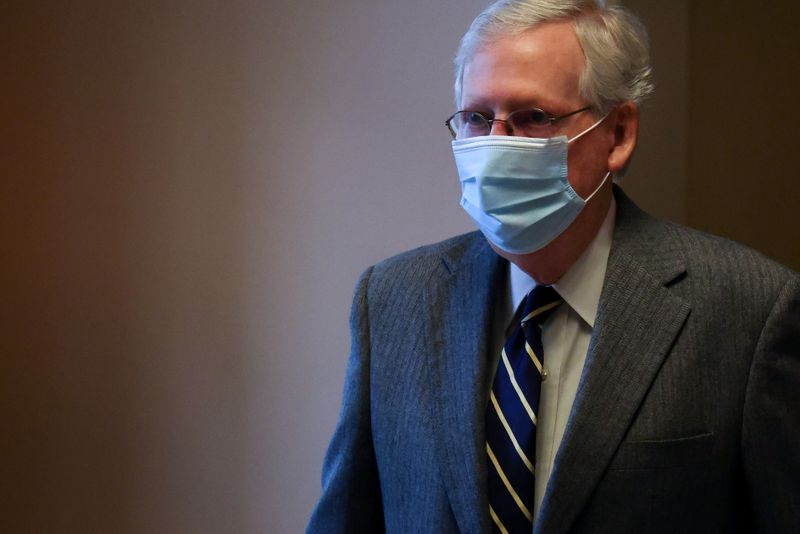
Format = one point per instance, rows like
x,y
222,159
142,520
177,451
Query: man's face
x,y
540,68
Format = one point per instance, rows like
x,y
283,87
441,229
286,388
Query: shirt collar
x,y
582,284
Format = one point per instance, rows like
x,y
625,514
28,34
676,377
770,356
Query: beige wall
x,y
189,191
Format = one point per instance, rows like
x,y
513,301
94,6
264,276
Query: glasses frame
x,y
550,119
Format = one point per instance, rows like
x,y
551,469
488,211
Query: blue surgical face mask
x,y
516,188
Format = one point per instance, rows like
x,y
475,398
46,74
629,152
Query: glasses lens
x,y
530,122
469,124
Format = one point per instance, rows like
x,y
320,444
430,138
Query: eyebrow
x,y
482,105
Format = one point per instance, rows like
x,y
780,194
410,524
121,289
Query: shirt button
x,y
544,374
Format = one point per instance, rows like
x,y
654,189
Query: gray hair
x,y
614,42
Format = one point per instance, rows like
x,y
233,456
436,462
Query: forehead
x,y
539,67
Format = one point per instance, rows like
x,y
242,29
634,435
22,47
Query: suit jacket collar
x,y
637,322
461,303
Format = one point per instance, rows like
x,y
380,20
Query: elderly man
x,y
577,366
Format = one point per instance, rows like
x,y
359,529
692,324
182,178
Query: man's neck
x,y
549,264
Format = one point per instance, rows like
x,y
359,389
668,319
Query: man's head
x,y
559,56
613,41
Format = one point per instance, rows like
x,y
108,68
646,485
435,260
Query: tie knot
x,y
540,303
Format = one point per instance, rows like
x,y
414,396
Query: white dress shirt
x,y
565,340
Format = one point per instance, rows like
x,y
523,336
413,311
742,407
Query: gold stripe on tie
x,y
521,395
510,433
507,484
536,361
497,521
543,309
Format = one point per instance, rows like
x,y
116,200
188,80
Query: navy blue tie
x,y
511,417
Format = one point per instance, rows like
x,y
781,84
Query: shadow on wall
x,y
121,372
742,160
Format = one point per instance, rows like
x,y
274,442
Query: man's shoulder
x,y
717,259
419,261
722,272
405,275
722,257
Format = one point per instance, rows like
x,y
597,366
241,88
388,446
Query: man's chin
x,y
535,264
520,260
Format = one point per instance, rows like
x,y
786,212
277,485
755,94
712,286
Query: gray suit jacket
x,y
687,417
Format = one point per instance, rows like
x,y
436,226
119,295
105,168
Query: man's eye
x,y
475,119
535,116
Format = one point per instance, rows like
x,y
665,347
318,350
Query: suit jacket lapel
x,y
461,304
637,322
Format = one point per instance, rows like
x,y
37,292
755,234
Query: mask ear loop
x,y
598,187
589,129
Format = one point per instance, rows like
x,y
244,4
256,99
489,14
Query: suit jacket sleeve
x,y
351,498
771,424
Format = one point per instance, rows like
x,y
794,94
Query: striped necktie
x,y
511,417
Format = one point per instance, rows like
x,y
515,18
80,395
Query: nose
x,y
500,127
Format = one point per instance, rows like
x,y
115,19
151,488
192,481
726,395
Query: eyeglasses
x,y
523,122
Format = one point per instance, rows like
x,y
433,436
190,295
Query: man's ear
x,y
626,132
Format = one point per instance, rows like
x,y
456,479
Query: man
x,y
655,391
